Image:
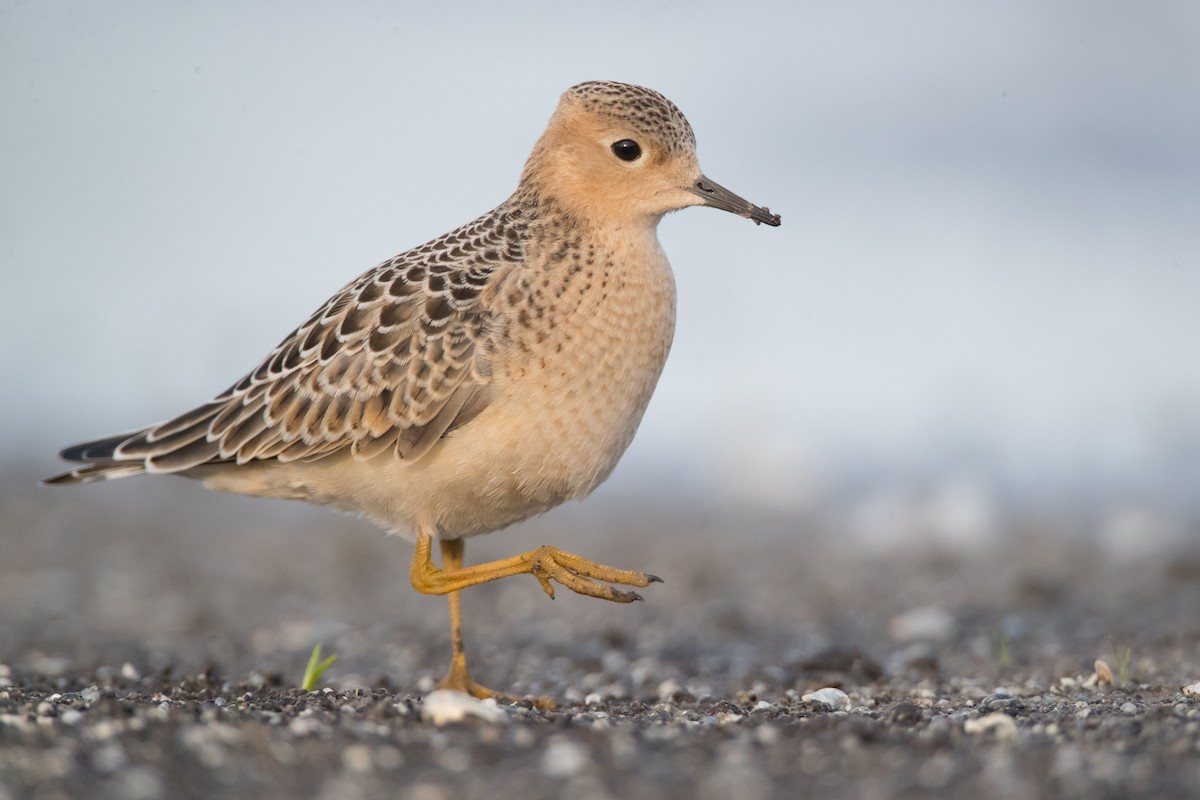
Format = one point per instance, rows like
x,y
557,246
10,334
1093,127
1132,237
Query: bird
x,y
479,379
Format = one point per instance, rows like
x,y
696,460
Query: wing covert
x,y
395,360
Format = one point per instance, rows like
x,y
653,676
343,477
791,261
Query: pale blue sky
x,y
990,256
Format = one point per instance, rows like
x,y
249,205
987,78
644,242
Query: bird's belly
x,y
556,430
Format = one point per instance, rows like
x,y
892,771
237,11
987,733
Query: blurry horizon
x,y
987,282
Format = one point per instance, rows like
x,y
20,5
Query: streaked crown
x,y
643,108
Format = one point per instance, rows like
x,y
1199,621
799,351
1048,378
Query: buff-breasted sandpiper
x,y
479,379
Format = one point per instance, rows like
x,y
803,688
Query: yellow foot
x,y
459,681
582,576
546,563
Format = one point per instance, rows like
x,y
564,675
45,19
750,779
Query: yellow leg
x,y
457,677
545,563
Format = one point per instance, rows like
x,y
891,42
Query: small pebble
x,y
129,672
1129,709
443,706
834,698
1192,689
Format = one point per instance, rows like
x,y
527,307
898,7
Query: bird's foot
x,y
458,680
547,564
584,576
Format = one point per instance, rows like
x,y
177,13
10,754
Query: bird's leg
x,y
545,563
457,677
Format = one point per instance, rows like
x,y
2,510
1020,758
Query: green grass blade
x,y
315,669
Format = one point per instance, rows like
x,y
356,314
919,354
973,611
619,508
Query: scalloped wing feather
x,y
395,360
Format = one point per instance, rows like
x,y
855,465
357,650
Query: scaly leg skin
x,y
457,677
545,563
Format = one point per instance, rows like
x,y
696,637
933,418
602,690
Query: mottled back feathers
x,y
394,361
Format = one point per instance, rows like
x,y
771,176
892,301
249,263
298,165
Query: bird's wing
x,y
394,361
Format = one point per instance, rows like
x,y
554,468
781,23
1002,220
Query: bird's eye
x,y
627,150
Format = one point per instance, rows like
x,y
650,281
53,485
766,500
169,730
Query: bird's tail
x,y
98,462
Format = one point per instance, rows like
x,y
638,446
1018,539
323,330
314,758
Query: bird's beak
x,y
717,196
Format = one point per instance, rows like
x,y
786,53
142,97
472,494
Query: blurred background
x,y
940,432
983,301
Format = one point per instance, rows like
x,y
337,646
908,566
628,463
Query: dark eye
x,y
627,150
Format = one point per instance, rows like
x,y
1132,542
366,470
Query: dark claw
x,y
653,578
634,597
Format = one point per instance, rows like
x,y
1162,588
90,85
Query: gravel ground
x,y
152,637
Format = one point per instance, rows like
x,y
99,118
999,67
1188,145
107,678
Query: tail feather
x,y
90,473
97,449
100,460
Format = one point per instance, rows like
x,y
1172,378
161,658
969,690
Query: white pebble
x,y
129,672
1129,708
443,706
1192,690
593,699
999,723
835,698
